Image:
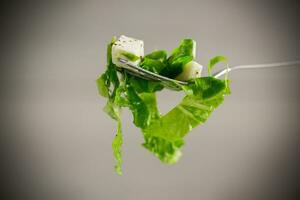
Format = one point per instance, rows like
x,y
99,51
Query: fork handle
x,y
257,66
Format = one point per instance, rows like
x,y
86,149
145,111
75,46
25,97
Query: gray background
x,y
57,140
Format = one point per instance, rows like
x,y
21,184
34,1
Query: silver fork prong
x,y
145,74
151,75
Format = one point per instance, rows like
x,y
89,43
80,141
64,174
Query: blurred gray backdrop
x,y
56,140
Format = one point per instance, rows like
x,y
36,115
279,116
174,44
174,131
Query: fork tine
x,y
149,75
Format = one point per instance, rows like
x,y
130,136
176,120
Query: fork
x,y
176,85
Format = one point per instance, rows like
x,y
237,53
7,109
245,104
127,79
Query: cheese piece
x,y
190,70
129,49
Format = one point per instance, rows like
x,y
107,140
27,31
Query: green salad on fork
x,y
163,134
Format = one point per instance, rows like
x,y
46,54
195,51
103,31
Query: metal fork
x,y
175,84
258,66
145,74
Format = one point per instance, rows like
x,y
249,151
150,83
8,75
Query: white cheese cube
x,y
129,49
190,70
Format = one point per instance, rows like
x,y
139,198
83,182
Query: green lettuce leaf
x,y
155,61
116,146
168,152
129,56
212,63
149,100
186,48
141,115
108,86
164,137
160,55
102,84
142,85
179,57
152,65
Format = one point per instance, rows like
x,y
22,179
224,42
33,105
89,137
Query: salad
x,y
163,135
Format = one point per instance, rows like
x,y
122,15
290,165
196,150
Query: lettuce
x,y
116,146
109,86
179,57
214,61
155,61
163,135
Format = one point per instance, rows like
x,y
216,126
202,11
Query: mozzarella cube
x,y
190,70
129,49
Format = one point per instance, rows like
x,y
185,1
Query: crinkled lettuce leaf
x,y
152,65
141,115
165,136
108,86
141,85
160,55
215,60
129,56
116,146
179,57
155,61
186,47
